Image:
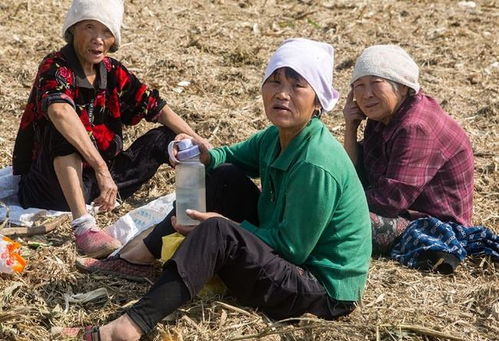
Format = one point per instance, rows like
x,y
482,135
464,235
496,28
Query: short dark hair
x,y
292,74
288,72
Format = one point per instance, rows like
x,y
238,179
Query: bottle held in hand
x,y
189,182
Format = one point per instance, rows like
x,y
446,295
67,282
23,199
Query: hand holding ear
x,y
351,112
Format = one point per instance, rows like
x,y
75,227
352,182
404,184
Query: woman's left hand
x,y
196,215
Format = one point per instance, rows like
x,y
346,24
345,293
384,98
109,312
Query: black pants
x,y
252,271
129,169
228,191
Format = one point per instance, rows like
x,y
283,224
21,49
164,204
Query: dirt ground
x,y
221,47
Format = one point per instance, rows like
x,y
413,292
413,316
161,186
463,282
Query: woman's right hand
x,y
352,113
196,215
203,145
108,190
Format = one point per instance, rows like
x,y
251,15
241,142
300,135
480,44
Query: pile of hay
x,y
220,47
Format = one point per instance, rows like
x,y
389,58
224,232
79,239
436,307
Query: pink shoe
x,y
116,266
96,243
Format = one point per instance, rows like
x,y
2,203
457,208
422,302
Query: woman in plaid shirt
x,y
414,160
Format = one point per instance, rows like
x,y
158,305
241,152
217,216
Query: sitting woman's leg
x,y
89,240
228,192
385,231
252,271
57,181
68,170
135,166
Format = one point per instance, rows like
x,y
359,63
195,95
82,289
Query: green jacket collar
x,y
283,161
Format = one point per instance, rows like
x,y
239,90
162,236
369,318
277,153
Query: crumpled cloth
x,y
426,237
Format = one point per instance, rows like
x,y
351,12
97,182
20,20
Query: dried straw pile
x,y
220,47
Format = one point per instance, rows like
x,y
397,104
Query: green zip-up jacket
x,y
312,209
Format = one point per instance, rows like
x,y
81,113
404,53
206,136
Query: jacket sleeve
x,y
137,100
55,83
245,155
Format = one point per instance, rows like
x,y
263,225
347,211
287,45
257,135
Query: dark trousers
x,y
129,169
252,271
228,191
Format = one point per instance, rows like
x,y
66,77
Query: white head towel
x,y
314,61
389,62
108,12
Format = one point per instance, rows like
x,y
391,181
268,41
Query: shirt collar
x,y
81,80
284,160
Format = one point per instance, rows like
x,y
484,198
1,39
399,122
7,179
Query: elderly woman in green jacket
x,y
300,245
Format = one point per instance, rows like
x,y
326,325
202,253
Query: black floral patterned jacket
x,y
118,99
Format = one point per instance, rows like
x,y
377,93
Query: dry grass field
x,y
221,48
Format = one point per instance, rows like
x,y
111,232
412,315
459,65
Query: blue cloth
x,y
426,235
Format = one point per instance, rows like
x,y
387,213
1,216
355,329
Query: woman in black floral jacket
x,y
69,148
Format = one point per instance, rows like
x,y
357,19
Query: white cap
x,y
389,62
313,60
107,12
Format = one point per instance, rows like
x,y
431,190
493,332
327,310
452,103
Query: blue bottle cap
x,y
186,150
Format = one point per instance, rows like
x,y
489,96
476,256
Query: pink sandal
x,y
118,267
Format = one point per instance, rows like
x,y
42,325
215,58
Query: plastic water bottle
x,y
190,182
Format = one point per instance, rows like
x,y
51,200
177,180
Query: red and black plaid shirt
x,y
419,164
119,98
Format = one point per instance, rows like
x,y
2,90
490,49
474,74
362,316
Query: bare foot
x,y
136,251
121,329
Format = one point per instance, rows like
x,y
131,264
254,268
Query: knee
x,y
216,225
227,171
63,161
161,133
230,178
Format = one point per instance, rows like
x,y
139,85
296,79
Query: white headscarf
x,y
313,61
389,62
108,12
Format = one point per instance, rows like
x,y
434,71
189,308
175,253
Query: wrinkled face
x,y
288,99
92,41
377,98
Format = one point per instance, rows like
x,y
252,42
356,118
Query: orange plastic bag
x,y
10,259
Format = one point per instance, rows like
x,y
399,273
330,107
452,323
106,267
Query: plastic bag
x,y
10,259
140,219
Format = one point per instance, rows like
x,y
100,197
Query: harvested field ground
x,y
221,47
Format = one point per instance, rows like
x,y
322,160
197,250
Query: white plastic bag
x,y
140,219
8,182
